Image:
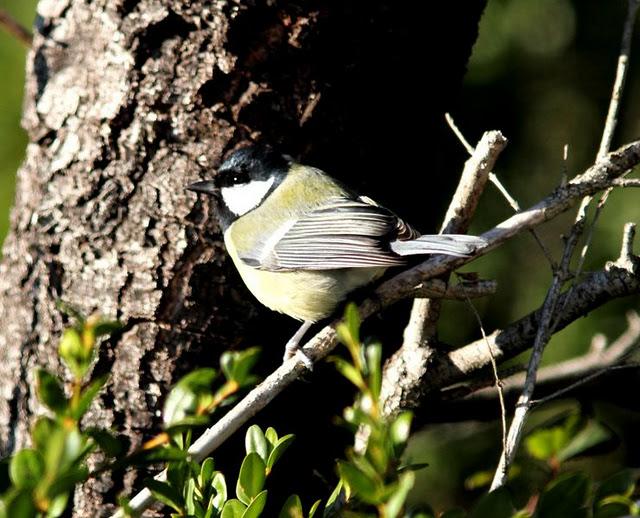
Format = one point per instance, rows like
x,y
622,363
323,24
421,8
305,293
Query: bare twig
x,y
11,25
496,376
627,182
574,370
561,274
421,329
444,371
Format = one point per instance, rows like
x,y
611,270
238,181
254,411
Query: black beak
x,y
206,187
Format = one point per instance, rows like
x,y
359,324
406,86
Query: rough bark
x,y
127,102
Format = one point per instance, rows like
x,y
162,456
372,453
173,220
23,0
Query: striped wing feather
x,y
344,233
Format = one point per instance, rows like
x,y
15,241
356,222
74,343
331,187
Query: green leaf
x,y
333,499
292,508
358,482
184,396
617,506
50,391
496,504
565,497
207,470
26,468
20,504
593,434
350,372
237,365
165,494
454,513
58,505
256,506
271,435
187,423
107,327
478,480
278,450
545,443
73,352
400,430
108,443
396,502
314,508
66,481
373,354
42,431
251,478
220,485
255,441
233,509
87,396
621,483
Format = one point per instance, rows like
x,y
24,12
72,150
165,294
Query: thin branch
x,y
446,370
13,27
421,330
627,182
496,376
561,274
571,371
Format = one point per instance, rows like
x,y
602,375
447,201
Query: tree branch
x,y
11,25
425,312
452,367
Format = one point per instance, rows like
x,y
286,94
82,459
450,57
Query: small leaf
x,y
278,450
67,481
255,441
373,354
334,499
566,497
108,443
400,430
251,478
207,470
621,483
545,443
50,391
271,435
220,485
396,502
237,365
593,434
292,508
26,468
350,372
187,423
183,398
165,494
73,353
256,506
42,431
107,327
314,508
58,505
358,483
19,504
233,509
87,396
496,504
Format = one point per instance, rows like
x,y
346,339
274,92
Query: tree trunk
x,y
129,101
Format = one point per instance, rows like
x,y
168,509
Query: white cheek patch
x,y
243,197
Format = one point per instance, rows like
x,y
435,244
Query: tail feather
x,y
459,245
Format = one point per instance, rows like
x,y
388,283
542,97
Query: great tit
x,y
302,241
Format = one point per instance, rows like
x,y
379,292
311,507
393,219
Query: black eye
x,y
232,177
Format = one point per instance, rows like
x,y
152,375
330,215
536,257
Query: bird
x,y
302,241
